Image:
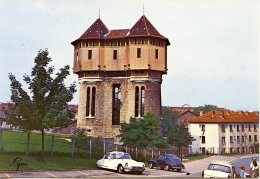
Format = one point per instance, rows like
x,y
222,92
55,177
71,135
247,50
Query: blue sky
x,y
213,57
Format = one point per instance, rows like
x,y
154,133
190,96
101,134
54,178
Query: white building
x,y
225,132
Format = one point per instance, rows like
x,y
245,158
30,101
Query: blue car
x,y
166,162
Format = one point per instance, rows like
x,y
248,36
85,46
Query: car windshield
x,y
125,156
219,167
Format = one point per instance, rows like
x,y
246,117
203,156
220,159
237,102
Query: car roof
x,y
222,163
116,152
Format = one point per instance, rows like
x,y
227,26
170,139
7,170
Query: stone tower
x,y
119,74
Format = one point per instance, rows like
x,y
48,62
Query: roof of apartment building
x,y
227,117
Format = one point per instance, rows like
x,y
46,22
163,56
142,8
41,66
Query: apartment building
x,y
221,132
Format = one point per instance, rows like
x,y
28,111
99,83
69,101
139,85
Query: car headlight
x,y
126,164
144,165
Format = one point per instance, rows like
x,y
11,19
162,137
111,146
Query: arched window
x,y
116,104
91,101
139,101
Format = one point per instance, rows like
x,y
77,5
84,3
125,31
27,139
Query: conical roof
x,y
143,27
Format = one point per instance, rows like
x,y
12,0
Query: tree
x,y
141,132
46,106
168,120
206,108
179,137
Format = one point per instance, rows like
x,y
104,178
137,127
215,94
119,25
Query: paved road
x,y
194,168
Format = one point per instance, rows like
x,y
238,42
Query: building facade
x,y
221,132
119,74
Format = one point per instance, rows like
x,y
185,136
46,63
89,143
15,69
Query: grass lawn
x,y
197,157
34,163
16,142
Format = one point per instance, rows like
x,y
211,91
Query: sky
x,y
213,57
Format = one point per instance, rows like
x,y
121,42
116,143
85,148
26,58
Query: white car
x,y
220,169
120,162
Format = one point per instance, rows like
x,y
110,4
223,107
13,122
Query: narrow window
x,y
243,138
249,127
136,101
238,139
231,150
238,128
156,53
203,140
116,104
114,54
223,128
231,139
250,139
230,127
255,138
238,149
142,100
93,104
89,54
203,128
255,128
138,52
88,101
223,141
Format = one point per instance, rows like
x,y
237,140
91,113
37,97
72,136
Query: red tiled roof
x,y
142,28
227,117
114,34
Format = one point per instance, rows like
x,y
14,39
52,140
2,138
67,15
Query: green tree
x,y
46,106
206,108
179,137
142,132
168,120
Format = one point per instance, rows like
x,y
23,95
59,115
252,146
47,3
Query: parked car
x,y
220,169
120,162
167,162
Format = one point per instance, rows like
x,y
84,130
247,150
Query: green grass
x,y
16,142
34,163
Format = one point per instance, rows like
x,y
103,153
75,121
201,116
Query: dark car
x,y
167,162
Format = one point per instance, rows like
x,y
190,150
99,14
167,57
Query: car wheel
x,y
120,169
178,170
150,165
167,167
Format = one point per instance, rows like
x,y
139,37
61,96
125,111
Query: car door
x,y
161,161
105,160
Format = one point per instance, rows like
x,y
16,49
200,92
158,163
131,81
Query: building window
x,y
238,139
250,139
231,139
223,128
116,104
255,138
91,101
114,54
156,53
203,128
89,54
231,150
238,128
243,149
223,140
230,128
243,138
138,52
203,140
249,127
139,101
88,102
243,129
142,101
255,128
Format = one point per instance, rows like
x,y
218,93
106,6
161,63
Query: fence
x,y
63,144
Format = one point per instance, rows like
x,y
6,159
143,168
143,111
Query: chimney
x,y
213,113
201,113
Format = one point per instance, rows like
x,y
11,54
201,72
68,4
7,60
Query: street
x,y
193,168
